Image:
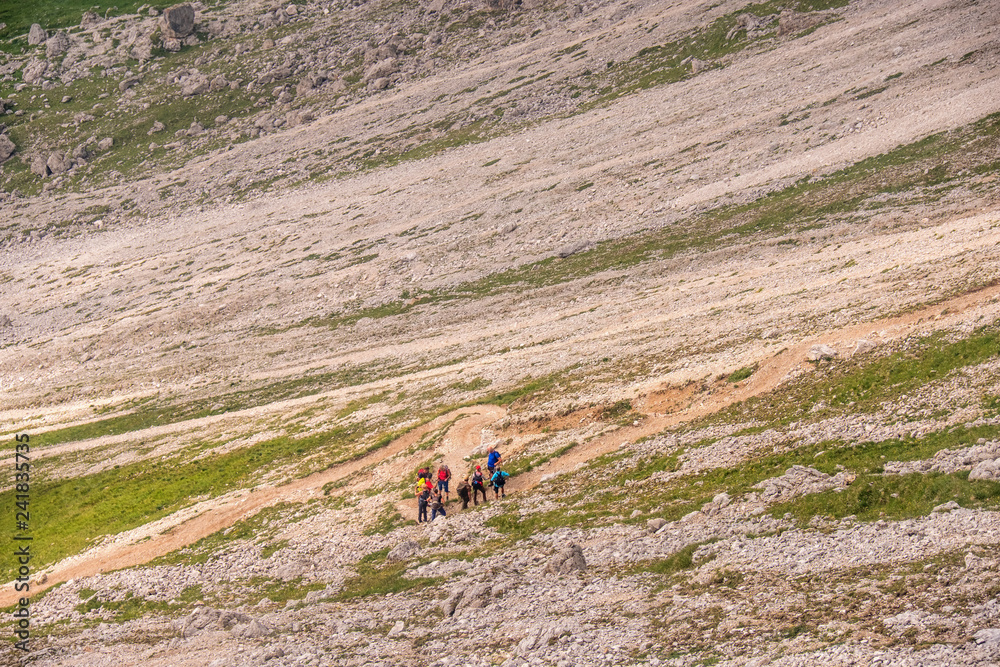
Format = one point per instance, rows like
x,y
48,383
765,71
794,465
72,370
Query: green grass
x,y
70,513
375,578
132,607
741,374
862,385
873,497
55,14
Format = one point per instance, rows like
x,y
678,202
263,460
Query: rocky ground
x,y
719,280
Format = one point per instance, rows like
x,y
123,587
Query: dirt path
x,y
462,434
770,373
191,524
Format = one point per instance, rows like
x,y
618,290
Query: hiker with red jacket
x,y
444,475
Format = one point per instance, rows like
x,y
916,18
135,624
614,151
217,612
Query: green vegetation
x,y
862,385
377,578
131,607
675,563
741,374
873,497
671,62
73,512
54,14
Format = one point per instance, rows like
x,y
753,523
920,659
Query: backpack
x,y
477,480
444,474
499,478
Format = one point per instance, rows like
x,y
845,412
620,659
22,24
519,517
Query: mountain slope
x,y
617,230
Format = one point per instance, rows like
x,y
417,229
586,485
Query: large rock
x,y
206,618
7,148
567,560
476,596
252,630
37,35
90,19
820,352
56,45
177,22
34,71
58,163
403,550
380,70
196,84
801,480
988,470
38,166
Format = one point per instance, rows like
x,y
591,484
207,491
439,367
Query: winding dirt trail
x,y
462,434
770,373
191,524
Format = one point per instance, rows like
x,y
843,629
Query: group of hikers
x,y
435,495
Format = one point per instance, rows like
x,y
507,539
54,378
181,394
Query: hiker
x,y
478,486
498,480
465,492
444,475
422,499
437,506
423,483
493,459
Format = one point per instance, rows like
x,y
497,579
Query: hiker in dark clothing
x,y
437,505
465,492
422,499
478,486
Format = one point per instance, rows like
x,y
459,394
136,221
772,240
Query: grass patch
x,y
863,385
895,497
675,563
377,578
741,374
132,607
55,14
73,512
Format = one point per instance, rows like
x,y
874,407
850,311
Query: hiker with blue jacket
x,y
493,459
498,480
